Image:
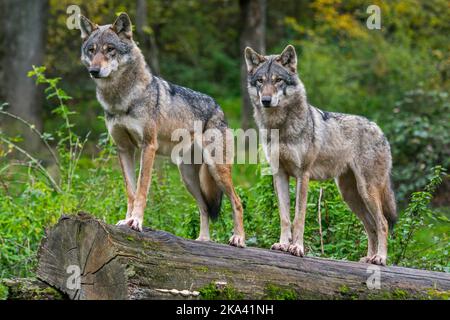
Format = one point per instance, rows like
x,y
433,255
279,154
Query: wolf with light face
x,y
315,144
142,111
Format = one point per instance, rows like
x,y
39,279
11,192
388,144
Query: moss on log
x,y
119,263
28,289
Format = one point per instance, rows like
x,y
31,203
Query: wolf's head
x,y
272,80
106,48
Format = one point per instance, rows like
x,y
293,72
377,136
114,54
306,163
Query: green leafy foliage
x,y
410,247
419,135
3,292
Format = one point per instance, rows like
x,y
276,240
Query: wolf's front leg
x,y
145,175
301,197
127,163
281,183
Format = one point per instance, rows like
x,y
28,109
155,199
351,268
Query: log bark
x,y
118,263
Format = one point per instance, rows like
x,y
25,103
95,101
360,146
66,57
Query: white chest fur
x,y
113,107
125,129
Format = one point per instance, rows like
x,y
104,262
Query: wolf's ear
x,y
122,26
253,59
288,58
86,27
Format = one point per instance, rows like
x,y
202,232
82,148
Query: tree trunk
x,y
146,37
118,263
22,46
253,34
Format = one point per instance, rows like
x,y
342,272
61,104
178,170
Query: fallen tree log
x,y
119,263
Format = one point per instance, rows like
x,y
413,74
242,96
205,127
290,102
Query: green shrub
x,y
410,246
419,133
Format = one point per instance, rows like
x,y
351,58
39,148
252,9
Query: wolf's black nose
x,y
94,72
266,101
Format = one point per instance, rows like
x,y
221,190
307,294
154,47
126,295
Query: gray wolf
x,y
141,112
315,144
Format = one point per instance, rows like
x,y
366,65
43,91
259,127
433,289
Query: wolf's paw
x,y
365,260
237,241
203,238
296,250
378,259
133,223
280,246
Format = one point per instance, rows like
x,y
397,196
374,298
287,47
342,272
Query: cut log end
x,y
85,258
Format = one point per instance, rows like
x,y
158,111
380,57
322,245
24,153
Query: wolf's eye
x,y
259,81
278,80
110,49
91,50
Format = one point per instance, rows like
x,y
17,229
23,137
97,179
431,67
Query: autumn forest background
x,y
55,155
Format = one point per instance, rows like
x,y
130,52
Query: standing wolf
x,y
315,144
142,111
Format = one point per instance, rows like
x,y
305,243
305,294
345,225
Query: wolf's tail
x,y
211,192
389,205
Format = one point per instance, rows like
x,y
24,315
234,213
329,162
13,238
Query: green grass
x,y
98,189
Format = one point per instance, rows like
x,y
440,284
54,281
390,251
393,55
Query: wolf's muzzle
x,y
95,72
266,101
